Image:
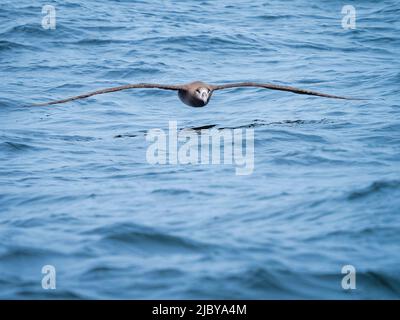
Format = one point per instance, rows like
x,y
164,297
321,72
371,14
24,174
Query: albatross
x,y
197,94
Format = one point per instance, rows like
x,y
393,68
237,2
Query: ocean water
x,y
77,193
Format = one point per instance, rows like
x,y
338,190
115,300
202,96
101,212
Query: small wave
x,y
17,252
377,232
9,146
93,41
73,138
147,239
127,135
31,29
128,73
35,30
43,294
205,127
10,45
375,187
384,281
211,42
271,17
4,103
253,282
68,86
171,192
311,46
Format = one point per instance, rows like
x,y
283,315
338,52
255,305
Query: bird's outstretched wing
x,y
278,87
107,90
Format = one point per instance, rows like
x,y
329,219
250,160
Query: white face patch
x,y
203,94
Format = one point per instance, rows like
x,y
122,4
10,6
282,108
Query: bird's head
x,y
196,94
203,94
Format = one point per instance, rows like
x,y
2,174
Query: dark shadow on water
x,y
256,123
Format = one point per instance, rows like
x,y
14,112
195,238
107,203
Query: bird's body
x,y
196,94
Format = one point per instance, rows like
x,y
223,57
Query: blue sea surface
x,y
77,193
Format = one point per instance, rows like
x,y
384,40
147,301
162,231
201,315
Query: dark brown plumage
x,y
196,94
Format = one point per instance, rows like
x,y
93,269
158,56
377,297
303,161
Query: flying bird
x,y
196,94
